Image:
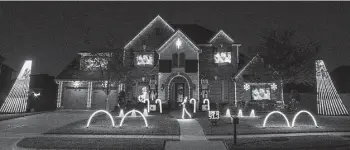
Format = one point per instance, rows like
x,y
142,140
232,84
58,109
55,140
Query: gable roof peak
x,y
224,34
179,32
158,17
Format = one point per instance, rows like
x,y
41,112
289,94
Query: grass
x,y
276,124
158,125
91,143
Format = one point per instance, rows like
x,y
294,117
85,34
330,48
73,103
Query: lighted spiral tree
x,y
328,99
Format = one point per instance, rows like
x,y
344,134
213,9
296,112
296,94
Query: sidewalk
x,y
192,137
13,116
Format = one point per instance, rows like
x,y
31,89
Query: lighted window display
x,y
261,93
222,57
143,59
93,63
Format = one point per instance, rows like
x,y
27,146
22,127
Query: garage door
x,y
74,98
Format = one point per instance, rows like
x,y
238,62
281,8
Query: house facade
x,y
170,62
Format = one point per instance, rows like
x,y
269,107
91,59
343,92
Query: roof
x,y
198,34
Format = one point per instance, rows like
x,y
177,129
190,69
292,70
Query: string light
x,y
100,111
221,32
328,99
207,100
16,101
76,84
275,112
133,111
303,111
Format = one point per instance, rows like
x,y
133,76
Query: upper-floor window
x,y
144,59
178,60
222,57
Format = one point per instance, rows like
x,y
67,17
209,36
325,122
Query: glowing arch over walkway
x,y
158,101
99,111
208,102
194,104
135,111
274,112
303,111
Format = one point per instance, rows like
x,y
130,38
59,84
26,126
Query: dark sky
x,y
51,33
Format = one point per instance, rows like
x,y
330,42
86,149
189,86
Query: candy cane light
x,y
207,100
194,104
158,101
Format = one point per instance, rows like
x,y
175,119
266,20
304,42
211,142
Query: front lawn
x,y
158,125
276,124
91,143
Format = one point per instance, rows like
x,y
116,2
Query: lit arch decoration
x,y
194,104
100,111
135,111
174,75
207,100
274,112
303,111
158,101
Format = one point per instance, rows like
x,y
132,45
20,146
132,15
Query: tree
x,y
290,61
110,67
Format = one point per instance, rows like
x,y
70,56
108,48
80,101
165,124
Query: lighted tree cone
x,y
276,112
328,99
194,104
133,114
100,111
252,113
240,114
160,105
133,111
145,112
16,101
228,113
121,113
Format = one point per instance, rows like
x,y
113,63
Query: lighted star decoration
x,y
246,87
178,43
273,86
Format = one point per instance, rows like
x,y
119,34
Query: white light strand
x,y
221,32
328,99
88,104
16,101
133,111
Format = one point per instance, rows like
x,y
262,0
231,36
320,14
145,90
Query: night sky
x,y
51,33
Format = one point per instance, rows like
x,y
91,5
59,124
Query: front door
x,y
178,96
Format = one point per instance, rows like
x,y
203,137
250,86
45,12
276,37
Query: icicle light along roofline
x,y
16,101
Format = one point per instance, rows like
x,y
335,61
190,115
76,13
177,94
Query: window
x,y
222,57
191,66
144,59
165,66
178,60
158,31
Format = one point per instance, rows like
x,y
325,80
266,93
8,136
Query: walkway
x,y
192,137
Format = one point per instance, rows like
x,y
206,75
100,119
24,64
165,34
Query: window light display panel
x,y
144,59
260,93
222,57
93,63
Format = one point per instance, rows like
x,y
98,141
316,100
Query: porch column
x,y
88,104
59,94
